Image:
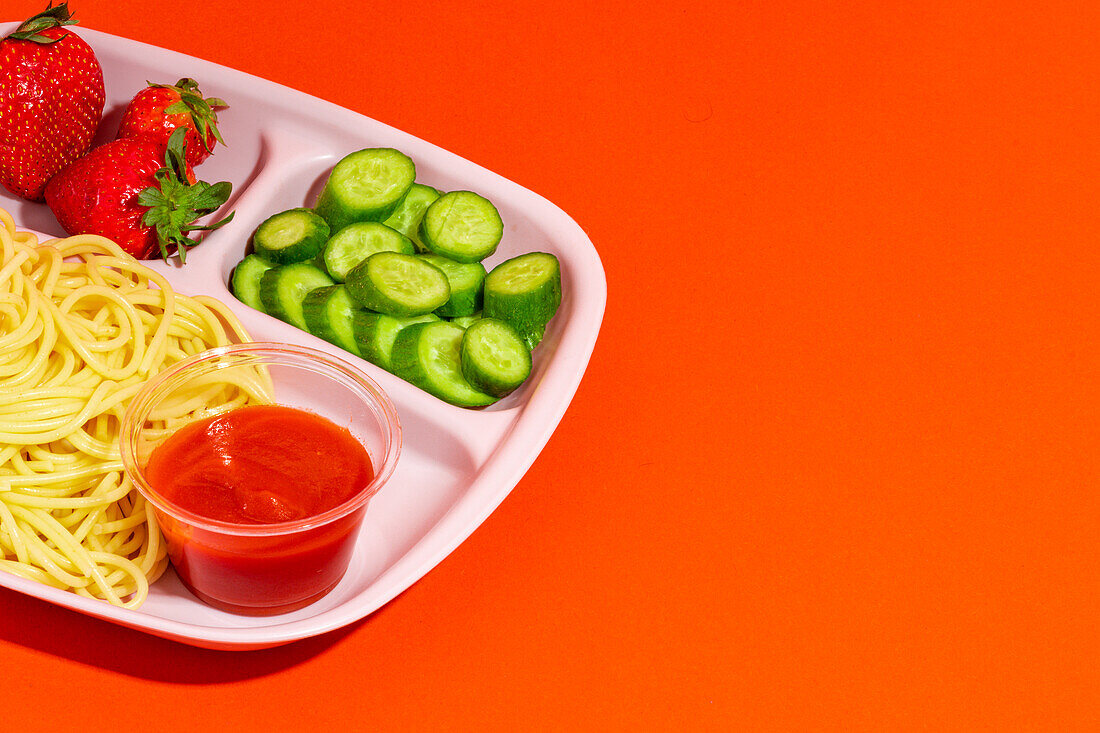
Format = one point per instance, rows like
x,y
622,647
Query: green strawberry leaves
x,y
51,17
174,203
200,108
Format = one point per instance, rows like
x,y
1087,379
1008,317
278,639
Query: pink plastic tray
x,y
457,465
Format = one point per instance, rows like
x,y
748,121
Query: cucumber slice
x,y
366,185
463,226
376,332
284,288
245,280
495,360
525,292
358,241
398,284
329,312
295,235
429,355
467,280
406,217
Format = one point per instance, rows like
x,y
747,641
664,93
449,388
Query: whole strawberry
x,y
160,109
138,192
51,100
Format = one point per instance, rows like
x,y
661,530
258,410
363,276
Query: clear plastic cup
x,y
260,569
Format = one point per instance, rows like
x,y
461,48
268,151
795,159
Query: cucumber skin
x,y
245,280
466,321
375,334
463,301
304,250
274,300
481,377
406,217
328,313
407,364
362,289
528,312
461,305
432,244
339,213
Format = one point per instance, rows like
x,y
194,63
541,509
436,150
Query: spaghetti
x,y
83,325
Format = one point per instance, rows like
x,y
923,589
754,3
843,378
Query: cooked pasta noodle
x,y
82,326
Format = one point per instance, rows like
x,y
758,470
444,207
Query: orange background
x,y
833,463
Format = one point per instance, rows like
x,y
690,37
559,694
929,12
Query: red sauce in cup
x,y
254,466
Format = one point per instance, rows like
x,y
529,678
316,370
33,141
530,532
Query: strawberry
x,y
160,109
51,100
138,192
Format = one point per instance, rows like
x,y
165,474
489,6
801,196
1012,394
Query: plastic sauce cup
x,y
261,569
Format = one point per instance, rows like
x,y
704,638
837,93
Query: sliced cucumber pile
x,y
392,270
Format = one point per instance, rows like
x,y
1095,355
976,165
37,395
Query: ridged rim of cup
x,y
260,353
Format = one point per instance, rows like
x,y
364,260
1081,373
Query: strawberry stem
x,y
174,203
51,17
200,108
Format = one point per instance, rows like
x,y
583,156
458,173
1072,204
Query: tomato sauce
x,y
260,465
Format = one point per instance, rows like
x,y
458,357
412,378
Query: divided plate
x,y
457,465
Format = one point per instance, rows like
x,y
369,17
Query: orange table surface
x,y
832,463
